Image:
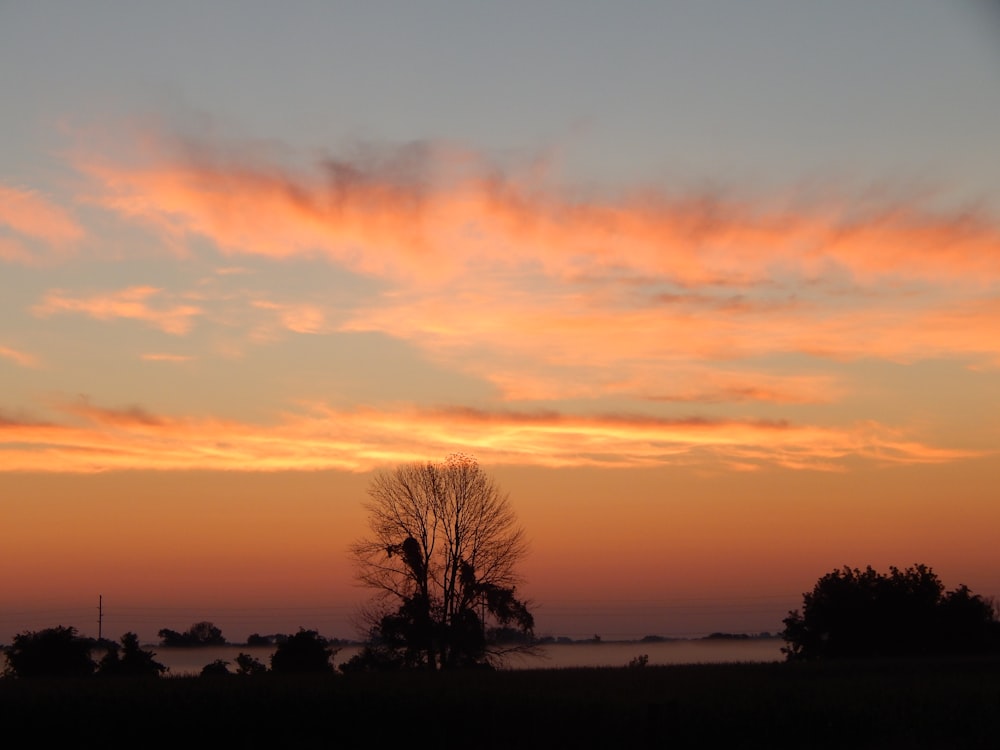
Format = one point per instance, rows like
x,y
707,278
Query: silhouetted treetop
x,y
133,661
249,665
441,556
52,652
202,633
864,613
305,652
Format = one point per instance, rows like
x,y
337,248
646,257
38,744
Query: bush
x,y
306,652
863,613
53,652
216,668
202,633
248,665
133,661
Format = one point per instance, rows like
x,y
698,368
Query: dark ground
x,y
900,704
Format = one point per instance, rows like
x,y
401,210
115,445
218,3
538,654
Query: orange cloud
x,y
132,303
542,347
300,318
18,357
163,357
548,295
91,438
32,217
452,215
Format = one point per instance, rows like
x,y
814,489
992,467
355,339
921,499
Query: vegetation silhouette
x,y
133,661
305,652
249,665
202,633
441,558
217,668
52,652
853,613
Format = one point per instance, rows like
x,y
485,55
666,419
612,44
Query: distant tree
x,y
441,556
854,613
967,623
216,668
255,639
305,652
374,657
248,665
202,633
53,652
132,662
638,662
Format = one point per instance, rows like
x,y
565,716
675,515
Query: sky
x,y
711,289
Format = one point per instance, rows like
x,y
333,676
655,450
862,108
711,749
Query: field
x,y
930,704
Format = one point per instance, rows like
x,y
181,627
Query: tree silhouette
x,y
132,662
217,668
202,633
441,557
863,613
249,665
305,652
52,652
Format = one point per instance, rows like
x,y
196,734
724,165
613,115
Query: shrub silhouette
x,y
248,665
216,668
306,652
52,652
133,661
202,633
854,613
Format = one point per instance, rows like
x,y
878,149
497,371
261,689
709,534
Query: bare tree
x,y
441,557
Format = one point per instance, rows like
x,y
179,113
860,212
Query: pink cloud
x,y
550,295
133,303
536,346
97,439
18,357
459,216
299,318
164,357
33,217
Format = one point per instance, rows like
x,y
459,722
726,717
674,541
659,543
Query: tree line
x,y
441,557
854,613
61,652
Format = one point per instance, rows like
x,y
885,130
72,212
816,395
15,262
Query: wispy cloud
x,y
34,218
432,214
299,318
91,438
165,357
21,358
474,259
134,303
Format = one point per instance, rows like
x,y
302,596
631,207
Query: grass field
x,y
904,704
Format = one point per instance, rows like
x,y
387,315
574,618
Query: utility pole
x,y
100,615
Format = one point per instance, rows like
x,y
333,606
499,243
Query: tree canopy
x,y
864,613
202,633
133,661
305,652
441,556
52,652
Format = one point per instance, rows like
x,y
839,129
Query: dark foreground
x,y
938,704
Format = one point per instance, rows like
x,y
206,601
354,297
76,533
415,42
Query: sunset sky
x,y
711,288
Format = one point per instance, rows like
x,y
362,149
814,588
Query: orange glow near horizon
x,y
692,399
674,547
